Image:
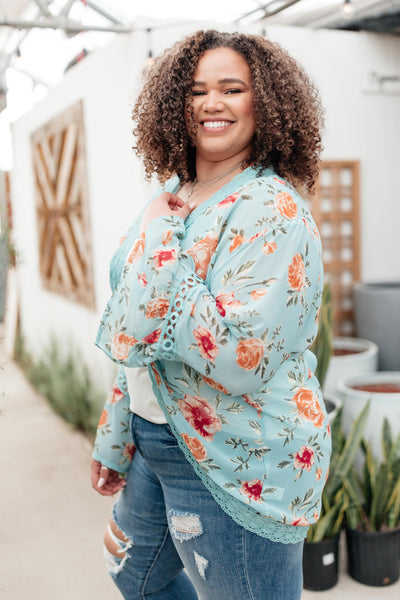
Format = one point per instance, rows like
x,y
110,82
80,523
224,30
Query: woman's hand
x,y
106,482
164,205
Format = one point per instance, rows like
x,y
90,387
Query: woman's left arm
x,y
258,306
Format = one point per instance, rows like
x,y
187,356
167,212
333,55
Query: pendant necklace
x,y
202,186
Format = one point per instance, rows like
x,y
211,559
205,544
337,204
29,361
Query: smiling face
x,y
222,106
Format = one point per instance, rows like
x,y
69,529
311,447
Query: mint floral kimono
x,y
222,308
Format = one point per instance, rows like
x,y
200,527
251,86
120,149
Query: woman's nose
x,y
213,101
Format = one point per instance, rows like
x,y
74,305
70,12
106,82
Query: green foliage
x,y
335,498
322,346
375,496
64,379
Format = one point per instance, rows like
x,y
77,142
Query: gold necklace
x,y
207,184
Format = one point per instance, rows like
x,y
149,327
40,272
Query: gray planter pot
x,y
377,316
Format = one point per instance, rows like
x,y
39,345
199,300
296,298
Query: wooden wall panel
x,y
336,210
59,163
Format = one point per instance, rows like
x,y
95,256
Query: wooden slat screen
x,y
335,208
59,163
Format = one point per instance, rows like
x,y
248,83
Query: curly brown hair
x,y
287,109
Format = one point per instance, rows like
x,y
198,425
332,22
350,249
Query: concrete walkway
x,y
52,522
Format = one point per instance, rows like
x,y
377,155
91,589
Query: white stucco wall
x,y
359,125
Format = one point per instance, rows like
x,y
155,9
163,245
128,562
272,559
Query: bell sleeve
x,y
234,305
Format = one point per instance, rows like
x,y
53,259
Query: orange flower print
x,y
237,241
296,273
157,308
115,395
228,201
247,398
308,406
122,239
142,279
156,374
129,451
206,343
201,415
202,252
164,257
249,353
286,205
318,474
258,293
304,458
300,522
225,301
252,489
269,247
316,515
215,385
195,446
193,309
137,250
121,345
103,418
153,337
167,237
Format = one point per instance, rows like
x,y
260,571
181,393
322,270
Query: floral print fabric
x,y
223,308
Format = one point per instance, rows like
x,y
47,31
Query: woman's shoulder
x,y
272,195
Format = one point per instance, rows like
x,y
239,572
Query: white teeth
x,y
216,124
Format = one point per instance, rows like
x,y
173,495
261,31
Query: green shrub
x,y
64,379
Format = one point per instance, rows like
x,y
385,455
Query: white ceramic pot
x,y
333,404
382,404
363,359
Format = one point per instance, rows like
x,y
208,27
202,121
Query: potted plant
x,y
321,548
373,515
382,390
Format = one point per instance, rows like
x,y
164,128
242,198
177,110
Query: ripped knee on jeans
x,y
116,546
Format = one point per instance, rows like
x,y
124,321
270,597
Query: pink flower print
x,y
115,395
252,489
201,415
300,522
304,458
206,343
164,257
225,301
153,337
257,235
142,279
129,451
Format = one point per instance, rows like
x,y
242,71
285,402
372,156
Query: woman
x,y
216,292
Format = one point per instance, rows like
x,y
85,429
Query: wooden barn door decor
x,y
59,163
335,208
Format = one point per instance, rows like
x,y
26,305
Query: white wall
x,y
359,125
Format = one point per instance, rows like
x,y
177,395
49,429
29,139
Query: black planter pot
x,y
373,557
320,564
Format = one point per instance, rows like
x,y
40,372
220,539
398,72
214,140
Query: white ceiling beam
x,y
66,25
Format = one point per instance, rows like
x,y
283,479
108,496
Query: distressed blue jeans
x,y
182,545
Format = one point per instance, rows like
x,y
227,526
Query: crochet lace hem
x,y
243,515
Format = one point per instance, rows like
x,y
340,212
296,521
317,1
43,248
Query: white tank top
x,y
142,399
